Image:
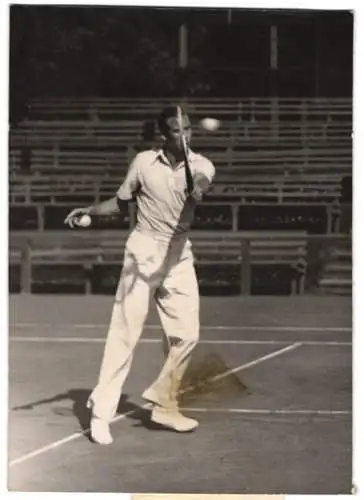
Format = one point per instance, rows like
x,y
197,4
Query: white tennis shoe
x,y
100,431
173,419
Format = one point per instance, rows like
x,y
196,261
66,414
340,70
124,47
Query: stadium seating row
x,y
230,134
290,175
293,153
237,163
257,137
337,274
50,189
224,108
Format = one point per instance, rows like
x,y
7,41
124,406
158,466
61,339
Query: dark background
x,y
121,52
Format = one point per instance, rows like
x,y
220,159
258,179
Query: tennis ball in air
x,y
84,221
210,124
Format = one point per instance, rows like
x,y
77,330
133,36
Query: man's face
x,y
173,132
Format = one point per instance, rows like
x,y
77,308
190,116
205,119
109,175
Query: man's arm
x,y
202,180
124,194
113,205
107,207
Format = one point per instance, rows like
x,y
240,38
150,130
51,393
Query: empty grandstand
x,y
278,217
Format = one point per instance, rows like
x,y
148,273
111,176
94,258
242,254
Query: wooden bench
x,y
24,189
111,132
228,162
235,107
241,249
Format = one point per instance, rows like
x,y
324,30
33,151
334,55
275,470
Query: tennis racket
x,y
188,173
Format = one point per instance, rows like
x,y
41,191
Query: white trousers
x,y
164,271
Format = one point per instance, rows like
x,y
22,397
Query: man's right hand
x,y
73,216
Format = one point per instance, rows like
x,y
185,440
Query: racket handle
x,y
189,178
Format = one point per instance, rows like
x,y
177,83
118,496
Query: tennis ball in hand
x,y
210,124
84,220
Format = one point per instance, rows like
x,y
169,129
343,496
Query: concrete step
x,y
336,291
336,282
340,267
341,253
335,278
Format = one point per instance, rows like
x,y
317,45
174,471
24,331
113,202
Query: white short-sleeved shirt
x,y
163,207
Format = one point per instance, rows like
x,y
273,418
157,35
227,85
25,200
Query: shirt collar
x,y
161,156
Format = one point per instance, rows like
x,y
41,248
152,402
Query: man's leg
x,y
127,320
178,305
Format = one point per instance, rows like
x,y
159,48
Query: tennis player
x,y
158,264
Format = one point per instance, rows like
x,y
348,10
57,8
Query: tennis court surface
x,y
275,413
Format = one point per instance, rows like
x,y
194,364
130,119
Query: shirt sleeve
x,y
206,169
202,179
131,182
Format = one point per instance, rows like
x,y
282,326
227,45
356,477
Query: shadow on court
x,y
79,399
201,385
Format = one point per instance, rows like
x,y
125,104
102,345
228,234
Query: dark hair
x,y
166,113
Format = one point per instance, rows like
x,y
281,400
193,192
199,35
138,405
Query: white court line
x,y
253,411
72,437
101,340
237,328
67,439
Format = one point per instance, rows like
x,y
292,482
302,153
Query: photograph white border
x,y
358,203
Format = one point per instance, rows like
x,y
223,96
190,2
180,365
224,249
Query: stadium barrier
x,y
238,251
255,262
315,218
